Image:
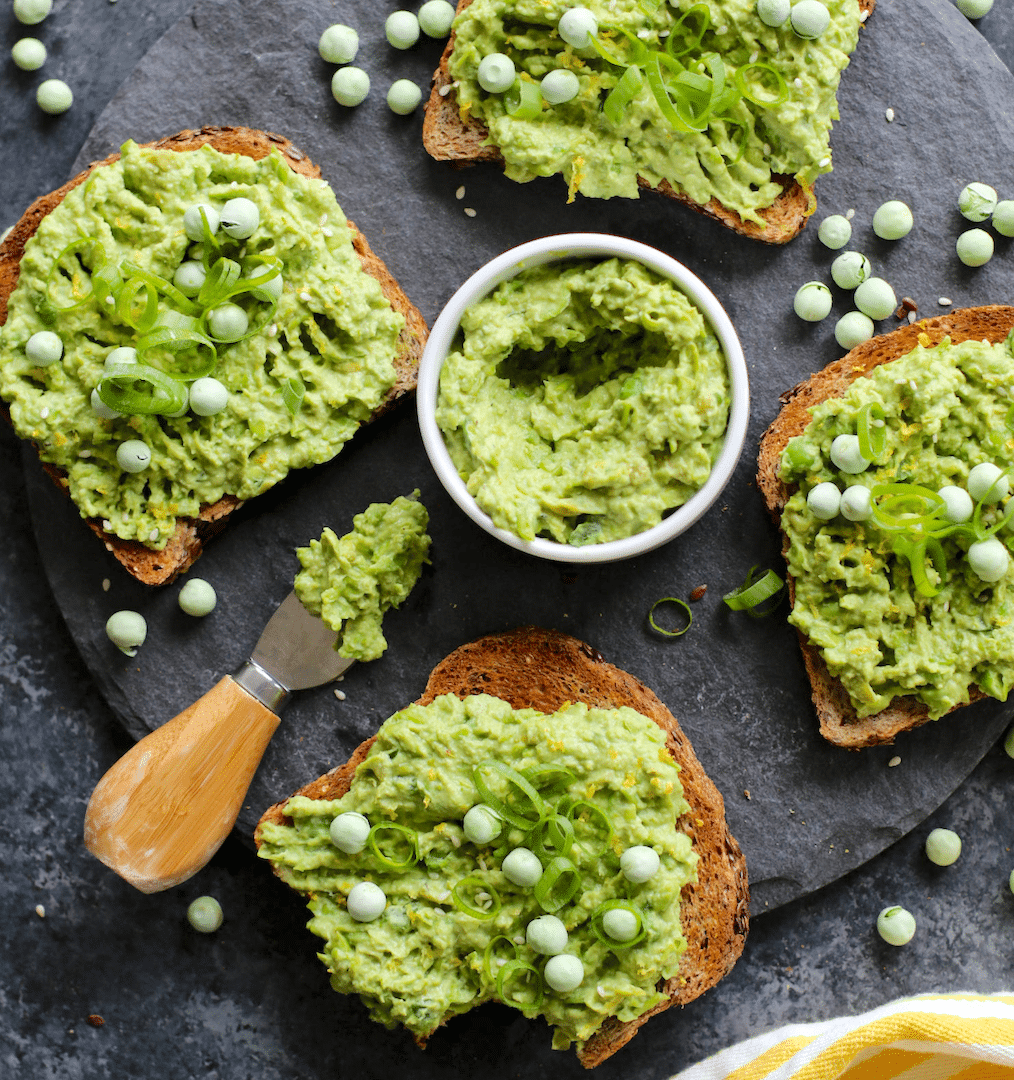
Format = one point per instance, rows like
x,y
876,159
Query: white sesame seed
x,y
824,161
894,761
305,297
644,34
235,183
327,231
469,212
518,939
863,16
482,863
797,82
153,535
105,584
722,30
913,385
40,911
945,301
110,300
340,695
936,435
460,193
341,678
107,525
767,149
43,412
444,91
323,219
754,56
912,316
272,329
455,840
850,214
889,115
84,453
601,991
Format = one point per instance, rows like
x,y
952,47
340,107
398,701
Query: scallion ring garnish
x,y
582,812
905,507
621,95
177,334
552,836
137,389
872,431
523,101
661,629
493,954
559,884
293,392
511,974
699,11
914,551
485,901
639,51
549,777
522,817
754,592
74,277
141,319
220,282
749,90
167,288
622,905
406,839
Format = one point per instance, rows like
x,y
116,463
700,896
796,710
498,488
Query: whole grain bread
x,y
543,669
187,542
449,138
839,723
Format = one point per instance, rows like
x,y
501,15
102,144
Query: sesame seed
x,y
644,34
482,863
323,219
455,841
305,297
754,56
43,412
153,535
40,911
894,761
340,695
601,991
945,301
824,162
863,16
469,212
798,83
850,214
444,91
84,453
912,316
722,30
105,584
272,329
327,230
235,183
767,149
518,939
107,525
889,115
460,193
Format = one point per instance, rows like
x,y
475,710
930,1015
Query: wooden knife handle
x,y
161,812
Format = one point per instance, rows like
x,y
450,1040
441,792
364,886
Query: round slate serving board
x,y
737,685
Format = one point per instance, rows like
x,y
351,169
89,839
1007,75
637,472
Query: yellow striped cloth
x,y
930,1037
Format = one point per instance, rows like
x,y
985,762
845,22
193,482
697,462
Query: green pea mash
x,y
333,331
350,581
423,959
584,400
736,160
947,410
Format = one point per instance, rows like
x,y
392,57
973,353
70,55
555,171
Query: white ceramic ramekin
x,y
551,249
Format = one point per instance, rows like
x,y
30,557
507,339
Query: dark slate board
x,y
737,685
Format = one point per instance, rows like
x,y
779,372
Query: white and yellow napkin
x,y
930,1037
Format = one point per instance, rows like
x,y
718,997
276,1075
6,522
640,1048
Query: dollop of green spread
x,y
947,409
350,581
333,331
424,959
735,160
583,400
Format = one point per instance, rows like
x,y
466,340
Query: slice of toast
x,y
839,723
544,669
449,138
185,545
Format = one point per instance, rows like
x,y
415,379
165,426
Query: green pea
x,y
349,86
975,247
30,12
54,96
197,597
29,54
943,847
435,18
403,97
896,925
338,44
205,914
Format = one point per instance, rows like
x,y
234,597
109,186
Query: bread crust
x,y
185,545
543,669
839,723
447,137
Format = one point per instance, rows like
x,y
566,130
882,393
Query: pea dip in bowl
x,y
583,398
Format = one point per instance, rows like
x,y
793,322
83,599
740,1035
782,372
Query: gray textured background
x,y
252,1001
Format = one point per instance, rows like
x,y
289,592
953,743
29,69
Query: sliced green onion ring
x,y
140,390
914,552
293,392
489,957
700,11
613,905
508,974
559,884
621,95
754,592
387,858
639,51
748,90
81,244
581,812
905,507
549,777
653,73
175,334
552,836
167,288
220,281
872,431
523,101
475,885
143,319
520,818
661,629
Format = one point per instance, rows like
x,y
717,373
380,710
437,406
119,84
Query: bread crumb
x,y
889,115
107,525
40,911
460,193
698,592
95,1020
945,301
746,793
894,761
340,695
469,212
105,584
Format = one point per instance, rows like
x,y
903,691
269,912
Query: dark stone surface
x,y
252,1001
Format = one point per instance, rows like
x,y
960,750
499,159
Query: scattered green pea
x,y
975,247
1010,881
127,631
639,863
973,9
29,54
1008,743
240,218
977,201
846,455
522,867
208,396
198,598
228,322
481,824
1003,217
193,223
349,831
338,44
892,220
54,96
403,97
850,269
943,847
559,86
44,348
809,18
30,12
856,503
578,25
547,935
824,500
987,482
620,924
349,86
875,297
988,559
958,505
123,356
366,901
205,914
896,925
773,12
563,973
189,277
270,290
133,456
835,231
812,301
402,29
100,408
435,18
853,329
496,73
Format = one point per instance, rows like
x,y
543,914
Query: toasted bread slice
x,y
543,669
839,723
186,543
449,138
